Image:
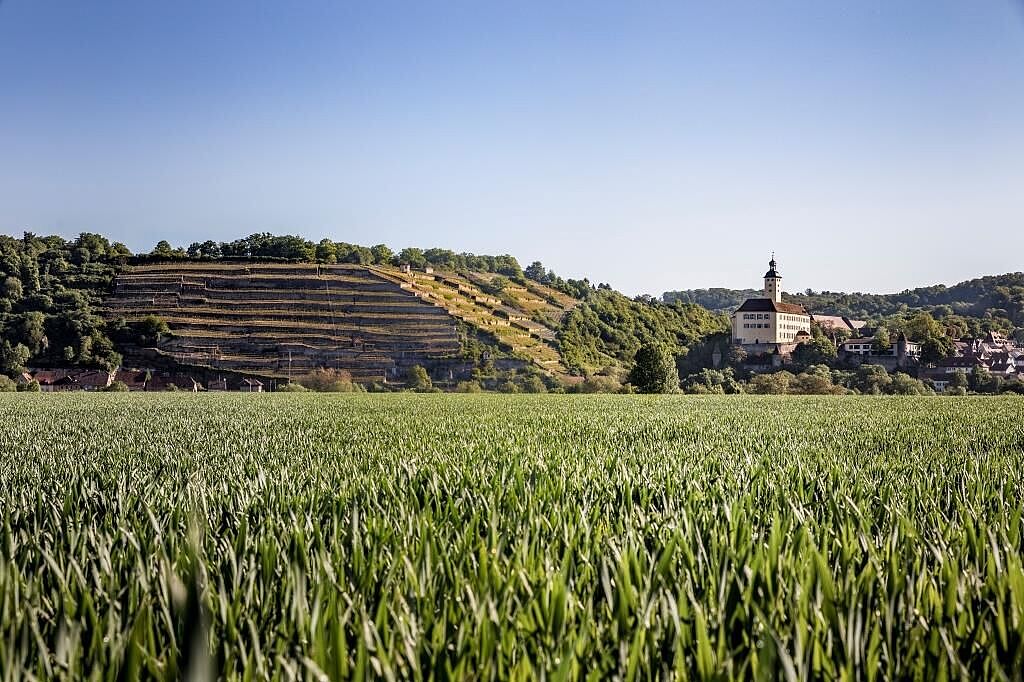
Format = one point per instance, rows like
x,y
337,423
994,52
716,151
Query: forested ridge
x,y
994,302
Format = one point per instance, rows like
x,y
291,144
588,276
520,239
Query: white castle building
x,y
767,324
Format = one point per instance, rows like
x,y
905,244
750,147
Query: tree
x,y
776,383
534,384
982,381
150,330
815,380
957,383
7,384
418,379
382,255
32,331
536,272
12,289
712,381
935,348
413,257
163,248
872,379
882,344
818,351
599,384
329,381
13,358
921,327
654,370
904,384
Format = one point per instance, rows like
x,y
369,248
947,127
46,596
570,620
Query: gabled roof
x,y
767,305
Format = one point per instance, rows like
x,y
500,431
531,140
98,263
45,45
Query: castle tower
x,y
773,282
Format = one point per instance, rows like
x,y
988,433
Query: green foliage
x,y
7,385
417,379
48,297
608,328
13,358
329,381
117,387
511,537
598,383
712,381
882,342
775,383
534,384
468,387
818,351
654,370
971,307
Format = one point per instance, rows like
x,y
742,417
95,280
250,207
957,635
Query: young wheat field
x,y
510,537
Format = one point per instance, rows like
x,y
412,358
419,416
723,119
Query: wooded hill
x,y
283,306
993,303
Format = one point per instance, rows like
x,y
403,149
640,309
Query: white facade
x,y
768,320
768,327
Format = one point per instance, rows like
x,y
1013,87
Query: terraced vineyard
x,y
511,537
374,321
276,320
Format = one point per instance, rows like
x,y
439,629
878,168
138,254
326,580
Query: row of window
x,y
756,325
756,316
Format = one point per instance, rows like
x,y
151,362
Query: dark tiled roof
x,y
766,305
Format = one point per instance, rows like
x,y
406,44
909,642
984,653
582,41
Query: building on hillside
x,y
831,324
900,354
134,379
1002,358
767,325
251,386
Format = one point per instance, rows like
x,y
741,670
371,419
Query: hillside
x,y
281,307
281,320
993,302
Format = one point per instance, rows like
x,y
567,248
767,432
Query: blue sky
x,y
873,145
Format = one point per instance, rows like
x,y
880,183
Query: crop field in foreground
x,y
510,537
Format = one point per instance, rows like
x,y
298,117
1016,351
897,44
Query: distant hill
x,y
280,306
994,301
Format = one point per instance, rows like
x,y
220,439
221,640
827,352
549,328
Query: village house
x,y
766,324
899,354
251,386
831,324
999,356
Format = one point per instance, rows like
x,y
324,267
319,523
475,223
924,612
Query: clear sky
x,y
874,145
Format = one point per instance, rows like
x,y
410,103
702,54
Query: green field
x,y
513,537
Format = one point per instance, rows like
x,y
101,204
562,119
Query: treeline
x,y
290,248
992,303
825,380
50,288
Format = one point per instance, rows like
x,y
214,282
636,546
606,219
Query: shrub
x,y
328,381
468,387
417,379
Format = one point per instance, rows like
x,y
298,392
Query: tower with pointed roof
x,y
773,282
766,325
